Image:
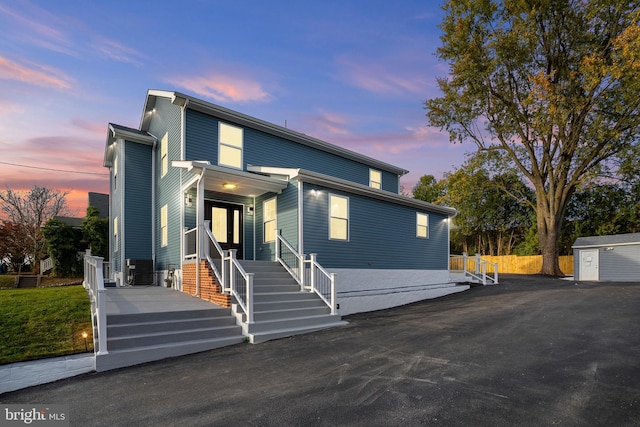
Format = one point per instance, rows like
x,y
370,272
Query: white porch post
x,y
200,227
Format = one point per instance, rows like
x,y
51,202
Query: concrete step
x,y
283,305
289,313
261,297
276,287
292,323
260,337
125,329
130,357
165,316
146,339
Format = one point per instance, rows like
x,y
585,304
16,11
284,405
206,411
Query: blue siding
x,y
381,234
167,119
267,150
137,201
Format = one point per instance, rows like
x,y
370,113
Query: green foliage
x,y
63,243
554,85
96,233
428,189
44,322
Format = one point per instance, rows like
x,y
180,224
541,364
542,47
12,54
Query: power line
x,y
54,170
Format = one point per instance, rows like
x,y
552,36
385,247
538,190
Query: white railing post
x,y
249,297
333,293
278,236
477,263
313,271
232,277
302,270
483,268
464,262
495,273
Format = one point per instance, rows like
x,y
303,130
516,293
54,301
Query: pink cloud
x,y
38,33
378,78
98,128
330,123
223,88
37,75
117,51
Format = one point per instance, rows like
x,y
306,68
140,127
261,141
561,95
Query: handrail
x,y
322,282
290,257
220,275
94,284
46,265
242,294
190,237
476,267
319,280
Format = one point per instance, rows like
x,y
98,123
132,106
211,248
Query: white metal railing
x,y
240,284
321,282
215,257
94,284
106,270
314,277
190,243
46,265
290,259
475,267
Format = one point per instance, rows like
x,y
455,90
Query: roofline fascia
x,y
363,190
202,106
600,245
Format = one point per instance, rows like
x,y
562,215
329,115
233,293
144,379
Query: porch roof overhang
x,y
217,178
351,187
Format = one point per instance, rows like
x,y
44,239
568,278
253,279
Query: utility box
x,y
139,272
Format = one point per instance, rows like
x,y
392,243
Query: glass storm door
x,y
226,224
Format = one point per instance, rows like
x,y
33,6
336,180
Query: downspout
x,y
153,207
300,217
183,120
122,222
255,242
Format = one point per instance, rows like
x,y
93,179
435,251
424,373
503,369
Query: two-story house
x,y
203,196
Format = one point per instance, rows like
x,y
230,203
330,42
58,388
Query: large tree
x,y
555,84
29,211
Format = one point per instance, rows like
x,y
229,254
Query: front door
x,y
226,224
589,264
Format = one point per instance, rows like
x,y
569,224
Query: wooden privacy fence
x,y
527,264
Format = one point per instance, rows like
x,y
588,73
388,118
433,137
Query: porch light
x,y
188,200
229,186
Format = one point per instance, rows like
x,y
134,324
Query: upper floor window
x,y
116,242
375,178
164,158
269,220
230,145
422,225
164,226
338,217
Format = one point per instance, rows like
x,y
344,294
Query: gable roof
x,y
352,187
611,240
122,132
232,116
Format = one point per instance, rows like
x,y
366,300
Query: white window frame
x,y
332,216
372,182
422,227
164,226
269,222
164,157
228,145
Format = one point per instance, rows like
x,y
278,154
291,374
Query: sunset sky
x,y
352,73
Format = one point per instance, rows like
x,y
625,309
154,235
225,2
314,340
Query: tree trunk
x,y
548,232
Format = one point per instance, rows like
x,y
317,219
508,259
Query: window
x,y
164,159
375,178
229,146
269,220
422,225
164,234
116,243
338,217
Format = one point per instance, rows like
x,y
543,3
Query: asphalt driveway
x,y
531,351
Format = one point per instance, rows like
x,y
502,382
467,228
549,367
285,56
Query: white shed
x,y
614,258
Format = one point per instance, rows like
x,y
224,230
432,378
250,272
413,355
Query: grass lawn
x,y
44,322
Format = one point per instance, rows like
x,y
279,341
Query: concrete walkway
x,y
531,351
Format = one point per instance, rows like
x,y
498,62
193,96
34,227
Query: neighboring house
x,y
614,258
259,187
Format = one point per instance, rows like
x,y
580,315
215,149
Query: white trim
x,y
348,218
222,144
418,225
122,221
371,170
353,188
605,245
300,217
